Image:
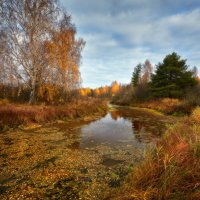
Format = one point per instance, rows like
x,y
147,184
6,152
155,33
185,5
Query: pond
x,y
81,159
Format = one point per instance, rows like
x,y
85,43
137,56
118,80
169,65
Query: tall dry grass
x,y
196,115
13,115
168,106
171,171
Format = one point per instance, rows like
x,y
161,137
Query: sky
x,y
119,34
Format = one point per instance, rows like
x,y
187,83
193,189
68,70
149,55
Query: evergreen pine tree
x,y
136,75
171,77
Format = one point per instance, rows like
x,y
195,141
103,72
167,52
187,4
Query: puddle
x,y
111,162
74,145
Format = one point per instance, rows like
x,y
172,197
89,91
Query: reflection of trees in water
x,y
143,127
115,114
144,130
136,125
137,129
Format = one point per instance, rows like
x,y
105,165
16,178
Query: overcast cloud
x,y
119,34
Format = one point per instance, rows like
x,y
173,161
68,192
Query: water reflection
x,y
144,124
107,131
137,126
115,114
119,128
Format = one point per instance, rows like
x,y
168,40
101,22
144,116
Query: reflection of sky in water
x,y
110,130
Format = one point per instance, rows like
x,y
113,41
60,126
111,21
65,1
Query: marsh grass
x,y
168,106
196,115
13,115
171,170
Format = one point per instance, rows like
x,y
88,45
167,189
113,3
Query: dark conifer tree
x,y
172,77
136,75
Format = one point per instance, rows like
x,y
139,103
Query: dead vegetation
x,y
13,115
172,169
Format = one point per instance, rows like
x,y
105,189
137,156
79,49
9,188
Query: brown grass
x,y
172,169
13,115
168,106
196,115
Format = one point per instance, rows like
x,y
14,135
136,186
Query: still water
x,y
122,127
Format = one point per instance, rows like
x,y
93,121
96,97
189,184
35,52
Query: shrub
x,y
124,96
141,92
193,95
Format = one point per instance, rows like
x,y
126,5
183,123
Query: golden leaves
x,y
115,87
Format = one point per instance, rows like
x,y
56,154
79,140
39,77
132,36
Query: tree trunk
x,y
32,98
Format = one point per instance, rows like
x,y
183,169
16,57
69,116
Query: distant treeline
x,y
101,92
171,78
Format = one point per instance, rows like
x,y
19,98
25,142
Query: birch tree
x,y
29,26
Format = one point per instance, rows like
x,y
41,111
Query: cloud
x,y
119,34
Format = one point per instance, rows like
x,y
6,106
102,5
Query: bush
x,y
193,95
124,96
141,92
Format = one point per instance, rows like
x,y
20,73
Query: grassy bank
x,y
172,169
13,115
168,106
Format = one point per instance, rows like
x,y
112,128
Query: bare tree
x,y
146,72
195,72
2,57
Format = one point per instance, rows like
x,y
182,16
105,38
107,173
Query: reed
x,y
171,170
